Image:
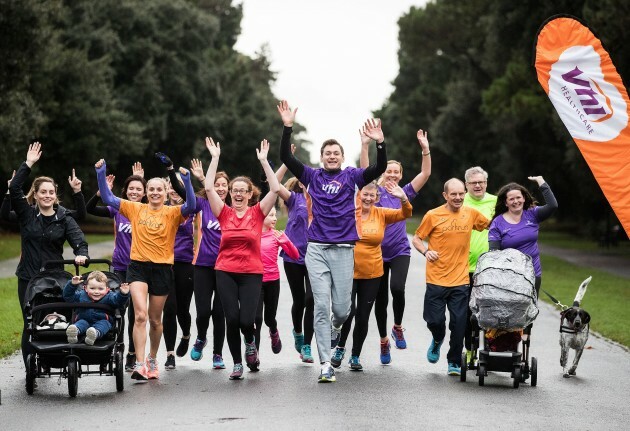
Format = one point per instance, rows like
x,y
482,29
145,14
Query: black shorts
x,y
159,276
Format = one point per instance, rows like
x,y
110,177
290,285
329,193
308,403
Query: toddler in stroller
x,y
503,303
94,323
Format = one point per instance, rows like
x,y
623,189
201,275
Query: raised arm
x,y
216,204
283,192
425,171
288,117
551,204
106,194
189,193
77,196
373,131
364,157
268,202
18,201
196,169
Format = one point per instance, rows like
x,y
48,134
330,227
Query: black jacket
x,y
40,242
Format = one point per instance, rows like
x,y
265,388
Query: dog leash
x,y
555,301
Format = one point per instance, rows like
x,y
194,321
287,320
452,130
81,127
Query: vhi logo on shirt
x,y
332,188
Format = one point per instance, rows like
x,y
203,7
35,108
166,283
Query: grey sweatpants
x,y
330,270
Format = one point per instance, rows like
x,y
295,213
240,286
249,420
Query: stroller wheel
x,y
31,373
534,372
517,377
119,371
481,372
462,376
73,377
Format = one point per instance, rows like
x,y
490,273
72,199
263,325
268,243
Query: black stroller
x,y
503,302
48,316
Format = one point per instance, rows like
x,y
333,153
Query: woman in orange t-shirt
x,y
149,273
239,268
368,265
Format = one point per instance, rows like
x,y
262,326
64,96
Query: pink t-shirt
x,y
239,250
269,246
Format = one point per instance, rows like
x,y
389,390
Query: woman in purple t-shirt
x,y
134,189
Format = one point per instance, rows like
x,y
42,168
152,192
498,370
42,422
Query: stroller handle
x,y
87,263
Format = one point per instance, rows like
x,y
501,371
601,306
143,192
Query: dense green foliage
x,y
466,76
121,80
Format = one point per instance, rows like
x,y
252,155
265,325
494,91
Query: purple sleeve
x,y
307,175
357,177
409,191
494,232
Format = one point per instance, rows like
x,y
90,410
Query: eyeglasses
x,y
239,191
476,183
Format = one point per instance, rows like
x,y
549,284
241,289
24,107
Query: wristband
x,y
425,252
427,153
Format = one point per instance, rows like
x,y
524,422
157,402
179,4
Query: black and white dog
x,y
574,327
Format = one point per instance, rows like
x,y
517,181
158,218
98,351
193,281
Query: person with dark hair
x,y
294,197
332,233
447,229
395,246
44,228
133,189
239,266
149,273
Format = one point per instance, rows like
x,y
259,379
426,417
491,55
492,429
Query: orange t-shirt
x,y
153,238
368,258
449,234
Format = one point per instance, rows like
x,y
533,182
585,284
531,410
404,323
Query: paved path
x,y
408,394
600,259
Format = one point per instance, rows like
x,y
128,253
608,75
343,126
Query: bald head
x,y
453,182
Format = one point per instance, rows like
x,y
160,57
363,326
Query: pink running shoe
x,y
139,372
251,356
152,368
276,343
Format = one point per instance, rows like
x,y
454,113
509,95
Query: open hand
x,y
395,190
538,179
196,167
264,150
287,115
33,154
372,129
422,140
214,149
137,169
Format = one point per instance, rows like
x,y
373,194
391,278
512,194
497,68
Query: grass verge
x,y
11,328
10,243
606,299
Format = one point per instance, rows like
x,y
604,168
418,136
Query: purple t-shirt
x,y
395,242
184,241
333,204
209,235
522,236
122,242
297,225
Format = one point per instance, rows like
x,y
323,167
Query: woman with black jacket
x,y
44,228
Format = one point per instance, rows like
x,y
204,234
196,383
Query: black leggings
x,y
303,305
26,346
205,287
269,296
364,293
131,315
240,294
399,267
177,306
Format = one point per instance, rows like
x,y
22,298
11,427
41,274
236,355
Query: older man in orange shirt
x,y
448,229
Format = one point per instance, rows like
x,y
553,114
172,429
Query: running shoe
x,y
454,369
73,334
355,363
337,356
237,372
139,371
170,362
306,355
276,343
152,368
130,362
299,341
91,335
251,356
196,353
386,357
182,348
433,354
327,373
335,336
398,337
217,362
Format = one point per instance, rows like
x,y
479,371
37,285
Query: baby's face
x,y
96,290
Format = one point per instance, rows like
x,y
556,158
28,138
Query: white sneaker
x,y
91,335
73,334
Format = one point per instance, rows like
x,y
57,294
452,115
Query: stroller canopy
x,y
503,294
50,282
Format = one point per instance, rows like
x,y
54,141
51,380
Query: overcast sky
x,y
335,60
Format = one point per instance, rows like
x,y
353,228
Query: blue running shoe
x,y
217,362
399,338
306,355
335,336
433,354
355,363
196,353
337,357
454,369
327,373
299,341
386,358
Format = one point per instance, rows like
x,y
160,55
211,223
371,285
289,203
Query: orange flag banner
x,y
581,81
